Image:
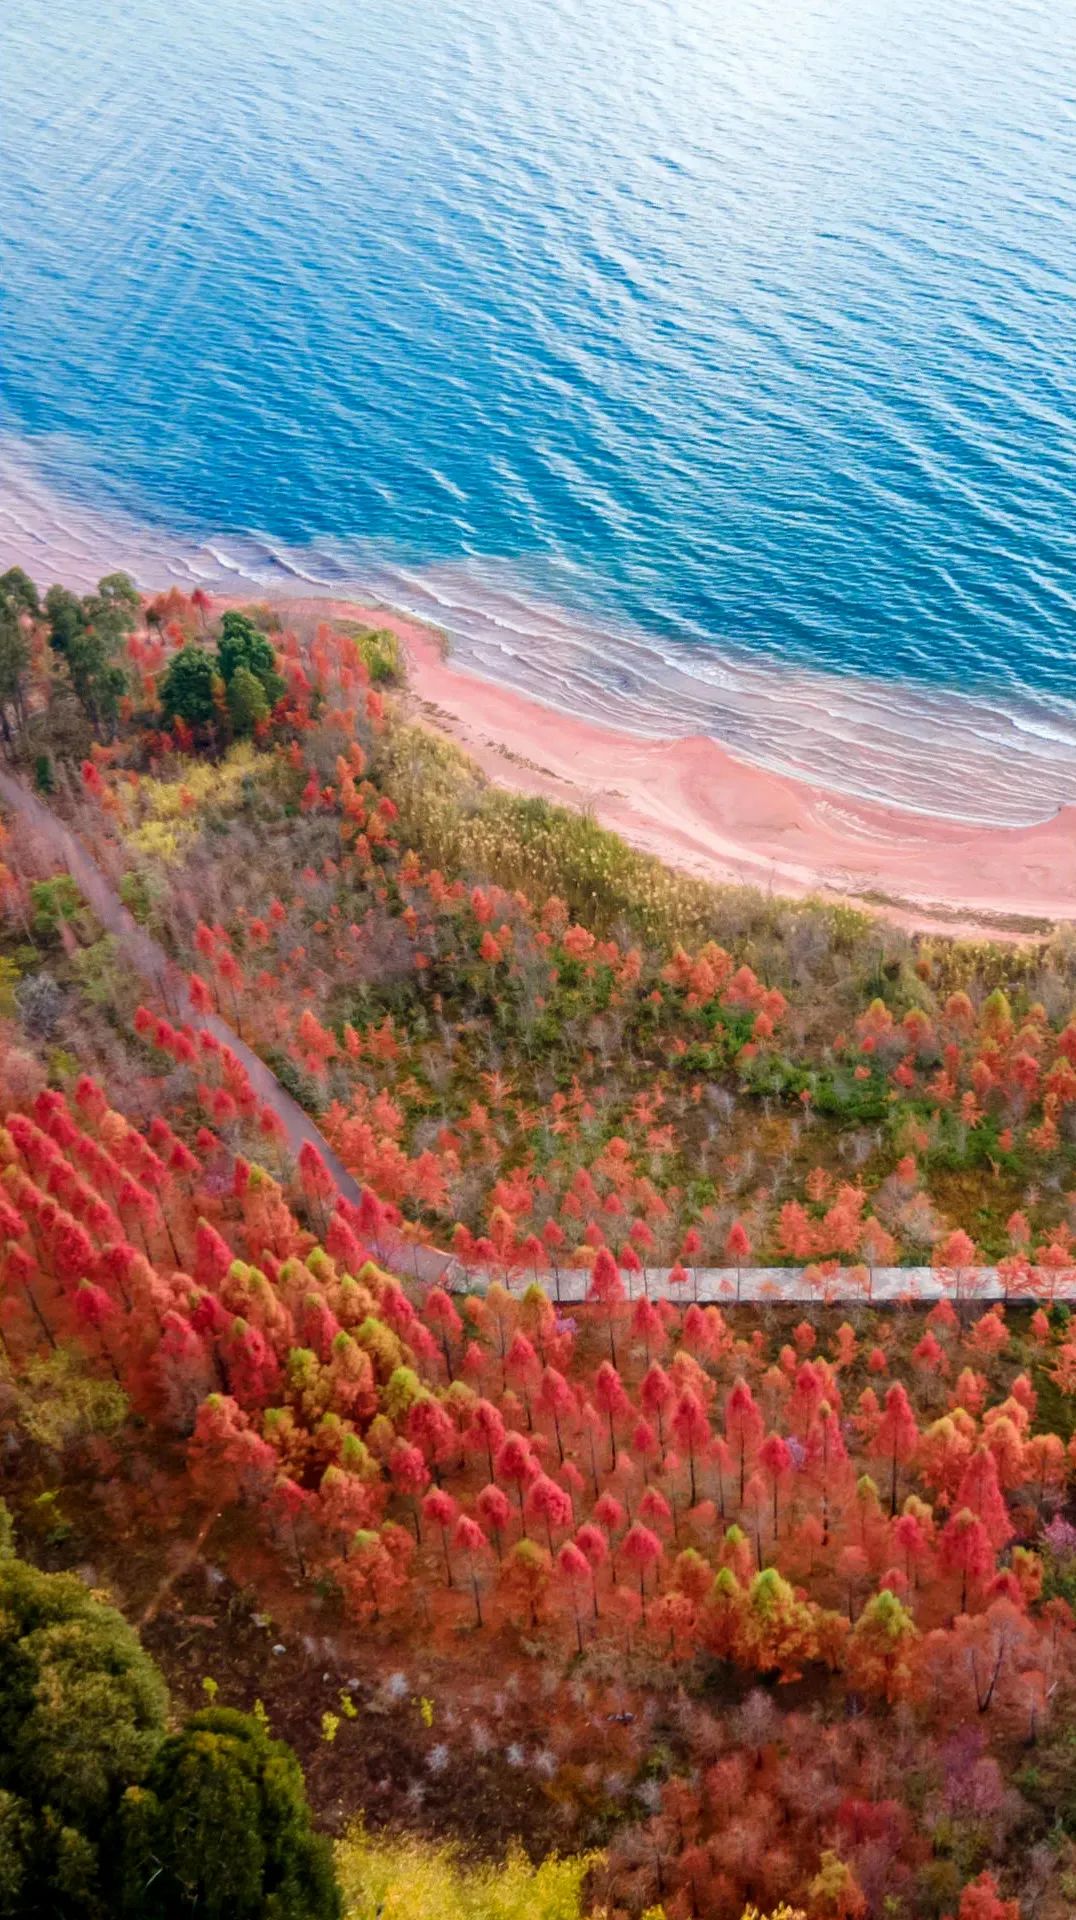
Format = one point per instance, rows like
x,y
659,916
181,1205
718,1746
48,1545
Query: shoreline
x,y
688,800
696,806
972,759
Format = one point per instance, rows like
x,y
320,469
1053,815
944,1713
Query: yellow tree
x,y
881,1647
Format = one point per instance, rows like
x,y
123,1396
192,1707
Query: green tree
x,y
242,645
54,901
18,590
248,703
82,1712
97,682
63,611
141,893
18,597
16,1852
118,598
85,634
188,688
14,661
222,1829
98,970
380,650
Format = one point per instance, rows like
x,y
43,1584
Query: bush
x,y
40,1002
385,1879
379,650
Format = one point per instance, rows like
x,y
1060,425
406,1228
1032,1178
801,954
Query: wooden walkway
x,y
788,1286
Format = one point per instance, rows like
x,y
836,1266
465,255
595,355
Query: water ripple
x,y
704,369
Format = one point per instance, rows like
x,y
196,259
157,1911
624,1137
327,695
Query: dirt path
x,y
152,963
757,1285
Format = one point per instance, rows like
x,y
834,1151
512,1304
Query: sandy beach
x,y
697,806
689,800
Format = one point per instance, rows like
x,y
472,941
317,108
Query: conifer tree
x,y
222,1829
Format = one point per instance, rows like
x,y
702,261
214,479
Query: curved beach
x,y
689,800
695,804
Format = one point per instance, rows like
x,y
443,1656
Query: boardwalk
x,y
790,1286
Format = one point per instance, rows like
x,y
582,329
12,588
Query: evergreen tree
x,y
63,610
117,598
188,687
82,1711
242,645
16,1852
17,590
86,634
247,701
14,661
18,598
222,1829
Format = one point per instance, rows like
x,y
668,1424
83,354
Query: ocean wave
x,y
986,759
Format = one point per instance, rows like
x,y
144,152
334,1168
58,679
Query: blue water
x,y
703,363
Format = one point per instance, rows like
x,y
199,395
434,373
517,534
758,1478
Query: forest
x,y
411,1491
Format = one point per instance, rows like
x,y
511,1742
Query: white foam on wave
x,y
977,758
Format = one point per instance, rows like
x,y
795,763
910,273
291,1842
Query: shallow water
x,y
708,368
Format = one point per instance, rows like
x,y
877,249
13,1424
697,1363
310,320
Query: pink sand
x,y
698,807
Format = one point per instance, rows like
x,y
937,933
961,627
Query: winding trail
x,y
169,983
150,960
708,1285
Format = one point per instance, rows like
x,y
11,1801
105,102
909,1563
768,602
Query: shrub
x,y
40,1002
379,650
388,1879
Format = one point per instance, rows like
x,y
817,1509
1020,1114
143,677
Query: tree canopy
x,y
248,702
241,645
17,591
103,1813
82,1710
239,682
188,687
18,598
222,1829
86,634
